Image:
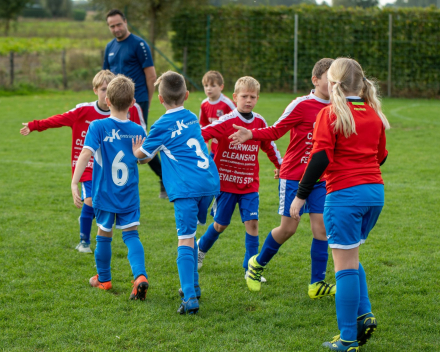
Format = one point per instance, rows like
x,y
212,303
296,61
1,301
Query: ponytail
x,y
370,95
344,122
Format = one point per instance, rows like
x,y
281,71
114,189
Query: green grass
x,y
47,304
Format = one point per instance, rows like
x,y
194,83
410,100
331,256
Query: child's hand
x,y
25,130
295,207
241,136
277,174
137,143
76,197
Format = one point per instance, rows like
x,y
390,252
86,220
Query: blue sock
x,y
185,266
103,257
208,239
196,271
270,248
364,303
251,244
347,302
319,255
85,223
136,256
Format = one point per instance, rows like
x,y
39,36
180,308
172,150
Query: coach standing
x,y
130,55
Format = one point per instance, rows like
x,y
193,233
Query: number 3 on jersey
x,y
194,142
118,167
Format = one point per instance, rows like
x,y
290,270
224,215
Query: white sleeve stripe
x,y
141,118
89,148
228,102
146,153
289,109
277,153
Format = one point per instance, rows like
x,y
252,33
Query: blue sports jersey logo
x,y
177,130
111,137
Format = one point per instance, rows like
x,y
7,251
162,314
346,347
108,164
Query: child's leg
x,y
319,248
196,271
251,241
86,220
222,211
364,302
249,204
103,255
136,256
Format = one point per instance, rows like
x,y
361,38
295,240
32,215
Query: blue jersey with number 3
x,y
187,169
115,172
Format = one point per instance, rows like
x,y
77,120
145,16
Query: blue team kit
x,y
188,170
114,189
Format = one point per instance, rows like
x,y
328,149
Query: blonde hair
x,y
213,77
172,88
103,76
120,92
347,76
247,83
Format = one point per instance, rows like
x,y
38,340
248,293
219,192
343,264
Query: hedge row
x,y
259,41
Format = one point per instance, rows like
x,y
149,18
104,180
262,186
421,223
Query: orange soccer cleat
x,y
94,282
140,288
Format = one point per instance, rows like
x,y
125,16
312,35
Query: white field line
x,y
395,113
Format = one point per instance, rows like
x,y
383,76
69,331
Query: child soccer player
x,y
349,147
189,174
216,104
299,117
238,169
115,191
79,119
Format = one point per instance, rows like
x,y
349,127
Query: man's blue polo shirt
x,y
129,57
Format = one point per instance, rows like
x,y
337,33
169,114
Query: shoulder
x,y
204,102
227,101
260,119
83,106
137,40
228,117
111,42
136,107
295,104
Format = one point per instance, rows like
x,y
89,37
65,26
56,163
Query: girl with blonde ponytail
x,y
348,149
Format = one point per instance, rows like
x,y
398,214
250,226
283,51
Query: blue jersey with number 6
x,y
187,169
115,172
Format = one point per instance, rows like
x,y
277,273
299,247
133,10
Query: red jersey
x,y
299,117
354,160
237,165
79,119
211,111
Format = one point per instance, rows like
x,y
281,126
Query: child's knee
x,y
251,227
219,228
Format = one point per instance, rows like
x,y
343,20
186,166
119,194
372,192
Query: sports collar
x,y
312,94
170,111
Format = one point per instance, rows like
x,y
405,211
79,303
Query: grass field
x,y
47,304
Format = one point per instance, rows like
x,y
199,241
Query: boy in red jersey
x,y
238,170
349,146
299,117
79,119
216,104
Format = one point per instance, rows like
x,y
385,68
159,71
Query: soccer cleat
x,y
191,306
200,256
366,326
83,247
337,345
163,193
94,282
263,280
196,288
140,288
320,289
255,270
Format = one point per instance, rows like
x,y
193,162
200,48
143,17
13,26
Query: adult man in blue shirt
x,y
130,55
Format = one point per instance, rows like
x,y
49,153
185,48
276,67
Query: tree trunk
x,y
153,16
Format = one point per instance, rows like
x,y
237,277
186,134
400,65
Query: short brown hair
x,y
172,88
213,77
321,67
248,83
120,92
115,12
103,76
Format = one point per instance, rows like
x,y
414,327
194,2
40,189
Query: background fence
x,y
260,42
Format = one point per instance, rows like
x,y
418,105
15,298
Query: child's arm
x,y
136,145
215,130
81,164
273,154
56,121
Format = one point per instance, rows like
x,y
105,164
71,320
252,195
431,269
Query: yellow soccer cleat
x,y
321,289
255,271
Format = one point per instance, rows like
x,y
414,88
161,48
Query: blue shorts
x,y
224,206
351,213
86,190
188,212
106,219
314,202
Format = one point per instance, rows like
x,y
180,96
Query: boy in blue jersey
x,y
115,192
189,174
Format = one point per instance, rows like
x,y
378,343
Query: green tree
x,y
153,15
10,10
415,3
58,8
356,3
